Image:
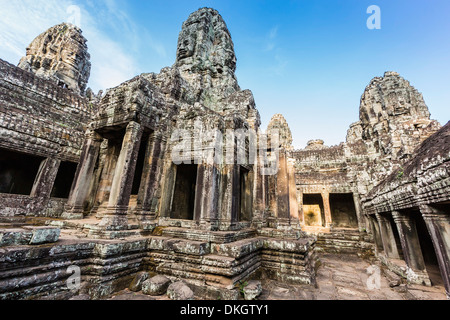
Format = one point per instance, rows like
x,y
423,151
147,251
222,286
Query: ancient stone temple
x,y
170,174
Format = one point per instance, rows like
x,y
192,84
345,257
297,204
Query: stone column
x,y
167,188
207,196
301,211
259,199
387,236
376,233
361,219
412,251
106,176
327,209
293,203
438,224
283,205
83,176
116,214
45,178
151,173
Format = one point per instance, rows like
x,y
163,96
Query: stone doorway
x,y
183,201
343,211
64,180
313,210
18,172
428,251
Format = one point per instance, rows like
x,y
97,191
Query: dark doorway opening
x,y
140,165
18,172
245,197
313,210
183,202
343,211
64,180
428,251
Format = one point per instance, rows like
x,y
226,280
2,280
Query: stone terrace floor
x,y
344,277
340,277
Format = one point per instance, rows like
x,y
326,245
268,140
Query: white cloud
x,y
103,23
271,37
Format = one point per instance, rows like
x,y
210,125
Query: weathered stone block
x,y
156,286
180,291
10,237
253,290
43,235
136,284
192,247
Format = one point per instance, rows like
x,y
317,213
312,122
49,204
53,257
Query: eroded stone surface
x,y
156,286
60,54
253,290
137,283
180,291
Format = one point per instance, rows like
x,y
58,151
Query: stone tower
x,y
278,122
393,117
206,58
60,54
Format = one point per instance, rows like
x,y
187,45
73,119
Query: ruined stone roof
x,y
423,179
60,54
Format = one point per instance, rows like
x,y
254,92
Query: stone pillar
x,y
146,205
167,188
387,236
259,198
301,211
83,176
283,208
376,233
438,224
327,209
361,219
106,176
45,178
412,251
116,214
207,196
293,203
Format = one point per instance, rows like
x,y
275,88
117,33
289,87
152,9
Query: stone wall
x,y
39,118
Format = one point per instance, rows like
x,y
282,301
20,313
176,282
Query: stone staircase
x,y
345,241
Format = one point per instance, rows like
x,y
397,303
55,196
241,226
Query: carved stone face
x,y
186,47
60,53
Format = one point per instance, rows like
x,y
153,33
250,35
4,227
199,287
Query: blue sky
x,y
309,60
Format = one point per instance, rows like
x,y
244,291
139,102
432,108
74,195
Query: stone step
x,y
208,236
28,235
197,248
